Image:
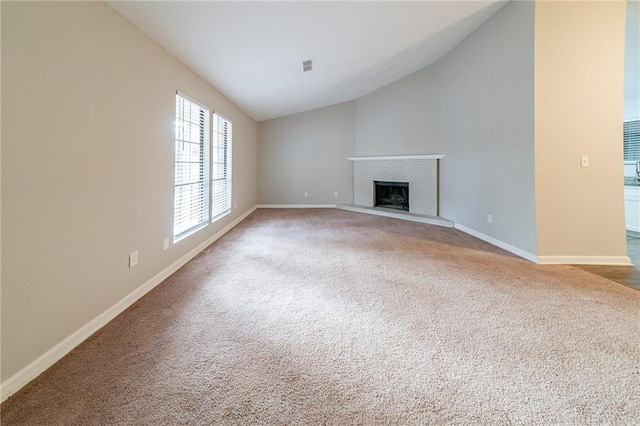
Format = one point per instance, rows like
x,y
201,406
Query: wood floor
x,y
627,275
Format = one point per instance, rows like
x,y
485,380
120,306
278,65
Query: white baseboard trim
x,y
585,260
53,355
508,247
297,206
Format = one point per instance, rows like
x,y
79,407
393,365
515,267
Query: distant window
x,y
631,140
191,183
220,167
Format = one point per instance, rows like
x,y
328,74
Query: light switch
x,y
133,259
584,161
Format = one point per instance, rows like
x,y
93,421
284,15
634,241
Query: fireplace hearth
x,y
393,195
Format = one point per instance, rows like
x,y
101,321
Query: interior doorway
x,y
631,131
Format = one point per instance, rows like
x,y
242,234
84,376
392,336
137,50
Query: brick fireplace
x,y
418,172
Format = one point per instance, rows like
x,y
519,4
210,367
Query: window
x,y
202,185
191,184
631,140
221,167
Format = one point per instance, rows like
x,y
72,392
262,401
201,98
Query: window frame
x,y
227,167
204,132
208,131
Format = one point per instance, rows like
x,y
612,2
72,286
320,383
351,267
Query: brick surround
x,y
422,175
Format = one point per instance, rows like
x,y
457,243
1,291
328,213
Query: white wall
x,y
87,167
579,68
485,88
307,152
400,118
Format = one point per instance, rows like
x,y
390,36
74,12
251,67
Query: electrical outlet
x,y
584,161
235,205
489,218
306,194
166,243
133,259
335,194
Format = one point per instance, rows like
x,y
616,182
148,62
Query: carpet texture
x,y
335,317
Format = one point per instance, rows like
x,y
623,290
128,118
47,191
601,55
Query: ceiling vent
x,y
307,65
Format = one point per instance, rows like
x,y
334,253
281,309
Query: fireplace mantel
x,y
399,157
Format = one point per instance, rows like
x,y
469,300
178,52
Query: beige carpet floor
x,y
335,317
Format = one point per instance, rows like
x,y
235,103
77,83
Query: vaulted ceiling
x,y
252,52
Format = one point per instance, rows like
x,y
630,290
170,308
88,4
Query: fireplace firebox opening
x,y
393,195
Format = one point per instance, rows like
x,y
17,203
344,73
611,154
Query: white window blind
x,y
221,167
191,186
631,140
